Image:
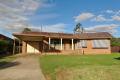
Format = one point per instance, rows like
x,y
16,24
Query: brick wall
x,y
91,50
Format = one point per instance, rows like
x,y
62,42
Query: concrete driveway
x,y
23,68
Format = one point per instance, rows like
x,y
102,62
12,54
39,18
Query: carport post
x,y
61,43
19,46
13,46
49,42
72,44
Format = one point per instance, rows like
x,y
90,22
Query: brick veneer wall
x,y
91,50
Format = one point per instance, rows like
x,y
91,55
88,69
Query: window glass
x,y
100,43
82,44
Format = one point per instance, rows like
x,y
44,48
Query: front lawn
x,y
6,60
86,67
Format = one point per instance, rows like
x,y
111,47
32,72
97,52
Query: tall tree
x,y
78,28
26,30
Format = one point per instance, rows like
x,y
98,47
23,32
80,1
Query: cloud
x,y
17,9
116,17
99,18
19,26
16,26
110,11
14,14
83,17
111,28
42,17
60,27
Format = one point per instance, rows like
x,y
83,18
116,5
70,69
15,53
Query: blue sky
x,y
60,15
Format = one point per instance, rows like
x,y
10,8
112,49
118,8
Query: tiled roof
x,y
3,37
97,35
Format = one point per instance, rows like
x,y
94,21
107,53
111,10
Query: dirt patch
x,y
89,73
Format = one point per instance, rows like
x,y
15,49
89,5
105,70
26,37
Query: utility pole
x,y
41,28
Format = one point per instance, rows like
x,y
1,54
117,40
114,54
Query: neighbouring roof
x,y
3,37
97,35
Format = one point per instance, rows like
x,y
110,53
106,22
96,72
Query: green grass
x,y
86,67
6,60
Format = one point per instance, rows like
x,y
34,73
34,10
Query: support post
x,y
49,42
13,46
19,46
72,45
24,47
61,43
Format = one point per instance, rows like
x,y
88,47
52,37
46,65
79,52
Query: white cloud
x,y
110,11
116,17
43,17
60,27
111,28
19,26
17,9
99,18
16,26
83,17
14,13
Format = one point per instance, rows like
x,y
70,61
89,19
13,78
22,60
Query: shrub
x,y
115,42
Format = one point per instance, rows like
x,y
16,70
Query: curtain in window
x,y
81,43
100,43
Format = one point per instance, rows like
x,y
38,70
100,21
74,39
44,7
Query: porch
x,y
49,45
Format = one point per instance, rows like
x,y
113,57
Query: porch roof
x,y
98,35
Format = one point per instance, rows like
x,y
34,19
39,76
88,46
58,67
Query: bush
x,y
3,46
115,42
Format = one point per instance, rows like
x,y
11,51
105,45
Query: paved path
x,y
23,68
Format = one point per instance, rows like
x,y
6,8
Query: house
x,y
3,37
49,42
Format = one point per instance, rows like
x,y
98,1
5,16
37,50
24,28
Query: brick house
x,y
64,43
3,37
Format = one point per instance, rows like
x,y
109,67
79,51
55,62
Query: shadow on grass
x,y
4,55
118,58
5,64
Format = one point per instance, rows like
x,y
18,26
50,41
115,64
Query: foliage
x,y
26,30
3,45
78,28
115,42
6,46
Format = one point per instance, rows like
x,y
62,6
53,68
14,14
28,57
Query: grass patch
x,y
6,60
86,67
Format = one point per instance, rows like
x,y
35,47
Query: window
x,y
55,41
100,43
82,43
55,44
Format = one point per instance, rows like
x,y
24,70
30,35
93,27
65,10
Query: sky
x,y
60,15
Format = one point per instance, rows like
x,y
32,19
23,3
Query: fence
x,y
115,49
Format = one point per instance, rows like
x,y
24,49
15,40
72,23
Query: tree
x,y
26,30
3,45
78,28
115,42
